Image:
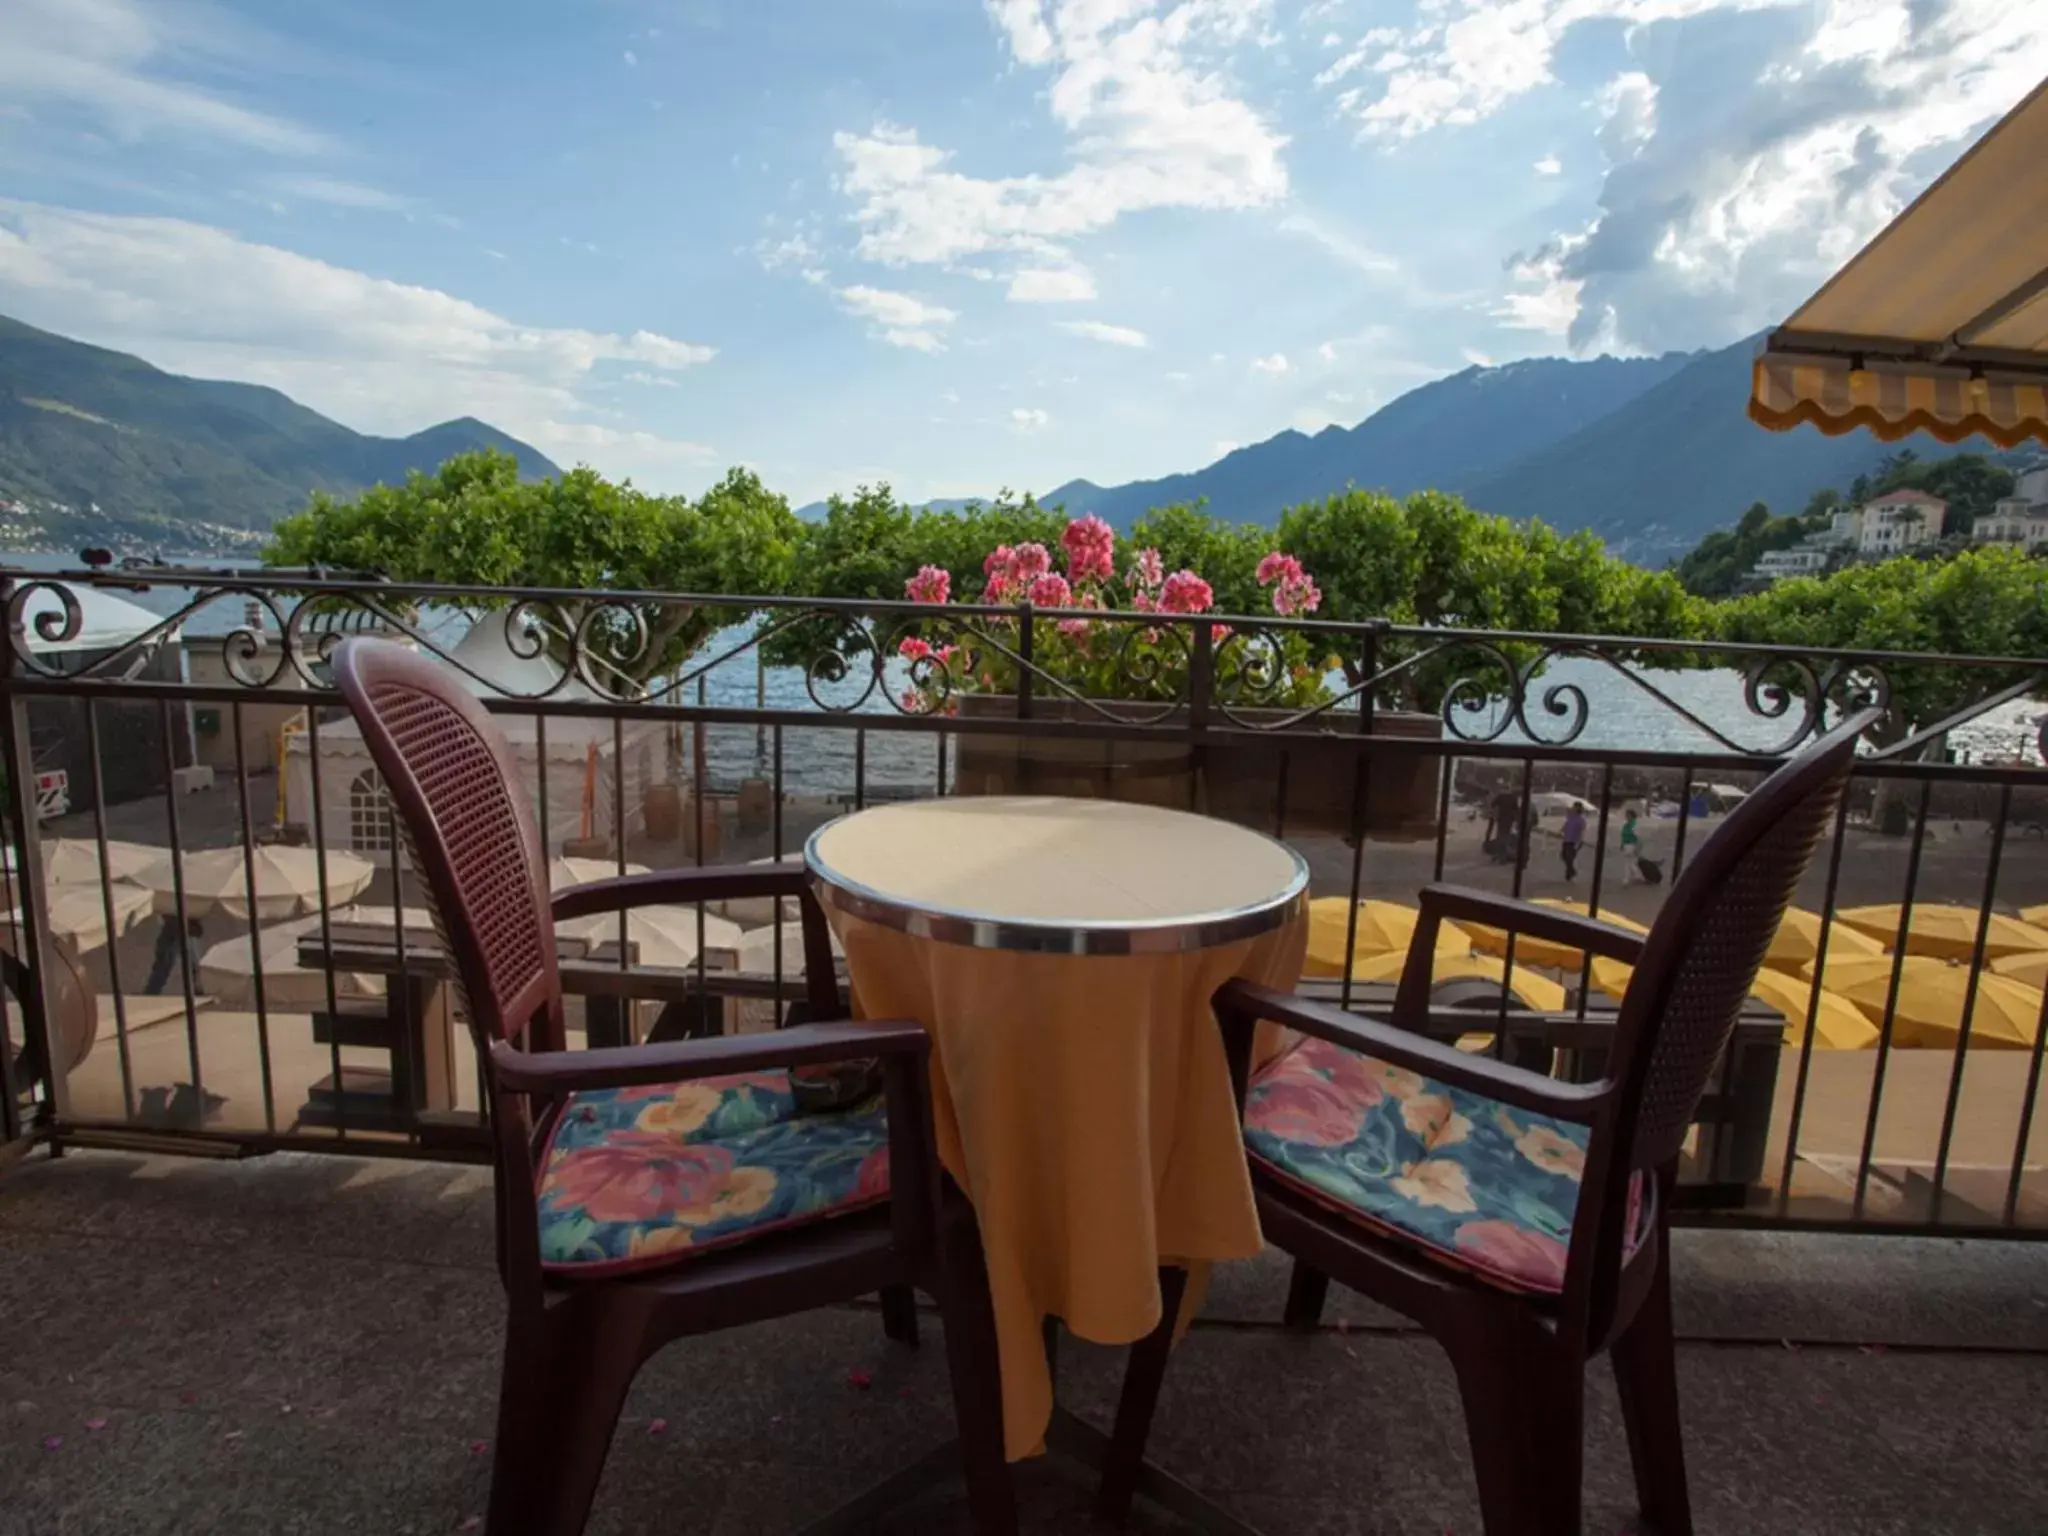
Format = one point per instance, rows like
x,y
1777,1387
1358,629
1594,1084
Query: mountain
x,y
1679,460
1651,453
1441,435
102,446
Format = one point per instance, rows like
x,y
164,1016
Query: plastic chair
x,y
1522,1220
764,1211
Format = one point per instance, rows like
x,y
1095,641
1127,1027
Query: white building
x,y
2022,518
1802,559
1897,521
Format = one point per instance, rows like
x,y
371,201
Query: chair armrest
x,y
1579,1103
1519,916
678,887
552,1073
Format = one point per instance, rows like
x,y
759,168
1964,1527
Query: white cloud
x,y
1327,352
1028,419
1152,121
1051,285
900,319
794,250
632,59
337,193
1275,364
1549,165
1352,252
1115,335
1755,151
650,380
135,72
380,355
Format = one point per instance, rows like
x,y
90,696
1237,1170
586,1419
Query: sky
x,y
951,245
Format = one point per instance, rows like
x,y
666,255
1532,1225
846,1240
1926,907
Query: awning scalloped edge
x,y
1891,403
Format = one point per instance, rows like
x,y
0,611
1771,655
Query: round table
x,y
1063,953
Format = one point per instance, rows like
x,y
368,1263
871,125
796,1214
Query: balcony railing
x,y
663,728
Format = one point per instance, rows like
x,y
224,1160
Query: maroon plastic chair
x,y
1522,1220
758,1209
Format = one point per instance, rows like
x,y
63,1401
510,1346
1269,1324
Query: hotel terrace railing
x,y
670,728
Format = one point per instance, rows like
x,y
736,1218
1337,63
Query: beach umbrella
x,y
288,881
227,971
663,936
1947,930
1542,952
2038,916
1537,992
756,950
1384,927
76,860
568,871
1839,1026
78,913
1930,1004
2032,969
1797,941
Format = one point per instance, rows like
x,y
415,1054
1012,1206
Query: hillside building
x,y
1898,521
2020,519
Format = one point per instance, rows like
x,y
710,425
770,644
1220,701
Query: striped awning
x,y
1940,324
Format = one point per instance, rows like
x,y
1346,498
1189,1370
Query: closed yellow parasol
x,y
1947,930
1534,991
1797,941
1543,952
1930,1003
1384,927
1839,1025
2038,916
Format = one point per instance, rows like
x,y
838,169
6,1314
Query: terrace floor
x,y
309,1344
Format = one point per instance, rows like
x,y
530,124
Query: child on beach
x,y
1631,847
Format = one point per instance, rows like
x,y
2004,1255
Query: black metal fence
x,y
213,947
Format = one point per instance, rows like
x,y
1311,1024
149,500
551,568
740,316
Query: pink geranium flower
x,y
1051,591
931,584
1091,549
1294,590
1185,592
913,648
1278,567
1028,562
1147,571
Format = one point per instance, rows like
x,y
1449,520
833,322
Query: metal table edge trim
x,y
1161,936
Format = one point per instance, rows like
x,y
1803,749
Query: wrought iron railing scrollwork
x,y
1266,675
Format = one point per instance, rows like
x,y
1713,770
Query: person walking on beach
x,y
1631,847
1574,834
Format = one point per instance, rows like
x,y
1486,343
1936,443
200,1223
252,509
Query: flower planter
x,y
1225,776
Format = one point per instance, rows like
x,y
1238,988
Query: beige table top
x,y
1055,875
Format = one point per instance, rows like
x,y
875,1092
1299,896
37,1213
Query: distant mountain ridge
x,y
1650,453
164,457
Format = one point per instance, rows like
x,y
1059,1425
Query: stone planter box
x,y
1233,778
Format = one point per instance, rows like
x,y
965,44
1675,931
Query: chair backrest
x,y
1702,956
470,828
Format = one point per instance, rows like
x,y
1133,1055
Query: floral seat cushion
x,y
635,1178
1489,1188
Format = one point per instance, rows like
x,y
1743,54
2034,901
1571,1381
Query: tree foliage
x,y
474,522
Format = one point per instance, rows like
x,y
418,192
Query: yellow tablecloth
x,y
1083,1104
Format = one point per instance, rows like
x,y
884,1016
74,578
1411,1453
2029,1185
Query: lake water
x,y
1620,713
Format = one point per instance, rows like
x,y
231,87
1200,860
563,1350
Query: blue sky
x,y
952,245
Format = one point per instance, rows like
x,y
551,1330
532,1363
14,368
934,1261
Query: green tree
x,y
475,523
1983,602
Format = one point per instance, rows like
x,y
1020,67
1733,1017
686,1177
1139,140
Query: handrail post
x,y
36,955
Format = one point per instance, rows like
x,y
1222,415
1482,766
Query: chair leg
x,y
972,1361
572,1379
1524,1416
1144,1374
1646,1373
899,1314
1306,1291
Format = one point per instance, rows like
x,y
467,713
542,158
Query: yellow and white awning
x,y
1940,324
